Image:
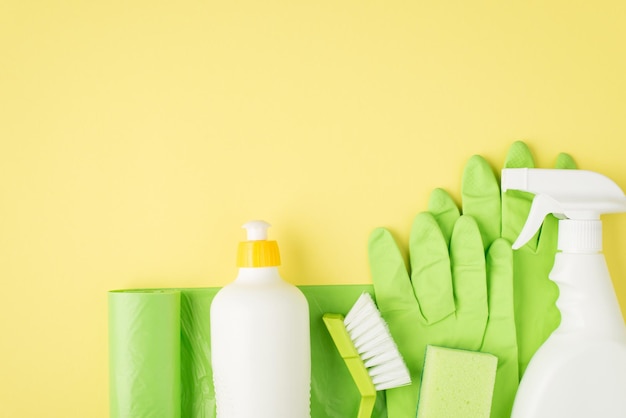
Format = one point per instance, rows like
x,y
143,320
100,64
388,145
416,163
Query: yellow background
x,y
137,136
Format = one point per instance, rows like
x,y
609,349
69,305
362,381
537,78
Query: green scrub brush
x,y
370,353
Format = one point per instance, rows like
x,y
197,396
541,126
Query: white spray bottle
x,y
260,341
580,371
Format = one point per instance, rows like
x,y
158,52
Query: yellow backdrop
x,y
137,136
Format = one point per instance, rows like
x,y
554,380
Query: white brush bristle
x,y
372,339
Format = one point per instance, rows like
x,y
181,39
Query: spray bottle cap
x,y
257,251
578,197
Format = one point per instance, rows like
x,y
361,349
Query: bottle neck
x,y
258,275
580,236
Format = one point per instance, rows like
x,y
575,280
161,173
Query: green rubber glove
x,y
447,298
500,335
536,315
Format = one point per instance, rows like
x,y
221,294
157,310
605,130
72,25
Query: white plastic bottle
x,y
580,371
260,341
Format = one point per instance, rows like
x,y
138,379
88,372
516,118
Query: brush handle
x,y
349,354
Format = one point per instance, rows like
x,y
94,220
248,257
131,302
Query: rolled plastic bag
x,y
144,353
197,392
160,351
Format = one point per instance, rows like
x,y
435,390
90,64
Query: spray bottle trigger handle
x,y
542,206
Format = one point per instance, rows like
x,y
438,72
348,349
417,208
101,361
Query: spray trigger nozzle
x,y
577,197
257,230
542,206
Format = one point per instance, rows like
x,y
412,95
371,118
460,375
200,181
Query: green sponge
x,y
456,383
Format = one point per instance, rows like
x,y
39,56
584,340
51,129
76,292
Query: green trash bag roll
x,y
144,354
160,351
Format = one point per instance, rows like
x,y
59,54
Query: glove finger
x,y
430,269
469,281
500,336
535,296
481,198
500,332
397,304
565,161
519,156
392,285
445,211
515,203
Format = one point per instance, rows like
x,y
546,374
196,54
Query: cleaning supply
x,y
580,371
260,340
456,383
150,338
438,299
144,353
371,355
538,316
454,296
502,215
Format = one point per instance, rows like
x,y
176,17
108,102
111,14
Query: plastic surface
x,y
364,343
144,354
370,335
333,393
354,363
572,194
256,230
260,339
580,371
457,383
260,347
257,251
